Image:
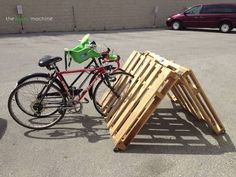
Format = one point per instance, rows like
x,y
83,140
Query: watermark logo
x,y
20,19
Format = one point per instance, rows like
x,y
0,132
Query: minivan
x,y
222,16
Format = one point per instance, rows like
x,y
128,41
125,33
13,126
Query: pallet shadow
x,y
3,127
89,127
168,133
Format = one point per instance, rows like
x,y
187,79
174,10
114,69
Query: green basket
x,y
80,55
83,51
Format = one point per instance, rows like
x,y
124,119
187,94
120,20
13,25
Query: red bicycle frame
x,y
59,74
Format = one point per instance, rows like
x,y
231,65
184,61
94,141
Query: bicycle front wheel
x,y
109,90
36,105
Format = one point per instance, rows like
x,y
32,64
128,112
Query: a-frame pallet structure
x,y
154,77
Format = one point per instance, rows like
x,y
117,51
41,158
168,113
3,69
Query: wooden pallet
x,y
189,94
154,77
128,114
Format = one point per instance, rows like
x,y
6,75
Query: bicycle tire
x,y
35,121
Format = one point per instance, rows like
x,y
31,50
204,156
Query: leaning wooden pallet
x,y
153,78
189,93
150,84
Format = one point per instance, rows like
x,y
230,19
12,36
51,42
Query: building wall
x,y
89,14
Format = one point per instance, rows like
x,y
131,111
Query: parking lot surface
x,y
172,143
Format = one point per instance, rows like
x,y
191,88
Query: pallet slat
x,y
132,102
134,81
145,116
125,100
140,107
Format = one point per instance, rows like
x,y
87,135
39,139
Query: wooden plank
x,y
135,88
128,106
134,66
207,102
142,103
178,96
125,82
120,147
205,108
182,92
160,95
137,65
135,80
139,124
132,58
178,69
147,69
192,85
140,71
193,107
208,119
121,92
172,96
109,94
214,123
133,61
146,115
171,75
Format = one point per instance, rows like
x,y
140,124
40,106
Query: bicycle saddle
x,y
48,60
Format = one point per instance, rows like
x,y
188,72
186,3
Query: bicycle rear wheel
x,y
36,105
108,90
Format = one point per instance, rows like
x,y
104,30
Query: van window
x,y
228,9
193,10
212,9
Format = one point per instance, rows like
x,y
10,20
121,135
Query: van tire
x,y
176,25
225,27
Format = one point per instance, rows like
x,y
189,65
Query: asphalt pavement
x,y
80,145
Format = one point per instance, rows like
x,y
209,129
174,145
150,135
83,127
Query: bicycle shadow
x,y
167,132
3,127
86,126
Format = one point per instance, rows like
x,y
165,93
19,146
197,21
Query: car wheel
x,y
176,25
225,27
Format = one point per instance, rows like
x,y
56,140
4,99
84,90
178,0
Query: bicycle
x,y
46,102
95,62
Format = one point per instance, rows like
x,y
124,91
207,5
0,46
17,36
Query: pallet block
x,y
153,78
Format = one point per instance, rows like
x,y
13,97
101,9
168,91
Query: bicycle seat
x,y
48,60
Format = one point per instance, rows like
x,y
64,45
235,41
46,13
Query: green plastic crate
x,y
80,55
